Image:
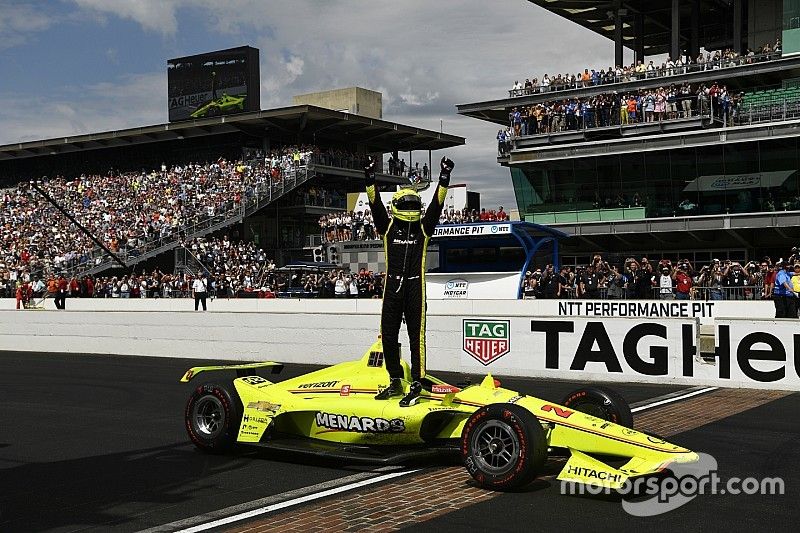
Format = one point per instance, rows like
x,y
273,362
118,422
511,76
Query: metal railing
x,y
703,108
748,292
774,111
657,73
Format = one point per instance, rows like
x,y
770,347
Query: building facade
x,y
690,149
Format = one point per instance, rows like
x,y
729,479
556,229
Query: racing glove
x,y
444,175
369,171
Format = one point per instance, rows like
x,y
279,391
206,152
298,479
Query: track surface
x,y
97,442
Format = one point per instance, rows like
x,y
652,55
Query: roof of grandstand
x,y
377,135
657,22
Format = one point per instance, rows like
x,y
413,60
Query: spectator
x,y
200,290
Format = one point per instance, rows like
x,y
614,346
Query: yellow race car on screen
x,y
220,106
503,437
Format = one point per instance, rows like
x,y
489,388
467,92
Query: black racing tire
x,y
601,402
212,417
503,446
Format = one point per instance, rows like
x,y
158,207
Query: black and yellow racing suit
x,y
405,245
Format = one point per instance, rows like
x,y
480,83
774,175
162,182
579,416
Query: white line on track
x,y
314,493
671,399
293,502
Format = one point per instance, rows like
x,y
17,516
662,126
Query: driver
x,y
405,240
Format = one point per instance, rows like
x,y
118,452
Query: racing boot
x,y
395,388
413,394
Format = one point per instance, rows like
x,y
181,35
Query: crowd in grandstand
x,y
612,109
663,279
640,70
126,210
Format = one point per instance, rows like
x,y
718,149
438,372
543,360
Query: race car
x,y
503,437
225,104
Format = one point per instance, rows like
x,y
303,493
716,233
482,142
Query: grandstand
x,y
147,191
716,177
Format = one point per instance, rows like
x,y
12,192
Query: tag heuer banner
x,y
486,340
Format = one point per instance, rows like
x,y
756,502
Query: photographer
x,y
665,279
736,280
589,282
713,277
683,280
530,285
615,284
550,283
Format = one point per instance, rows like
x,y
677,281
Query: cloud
x,y
78,109
19,22
158,16
424,57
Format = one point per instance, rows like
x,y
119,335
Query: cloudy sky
x,y
81,66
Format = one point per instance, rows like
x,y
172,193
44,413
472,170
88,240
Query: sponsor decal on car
x,y
375,359
444,389
590,473
345,390
359,424
486,340
319,385
256,419
254,380
267,407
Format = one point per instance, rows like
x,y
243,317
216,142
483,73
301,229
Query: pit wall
x,y
516,338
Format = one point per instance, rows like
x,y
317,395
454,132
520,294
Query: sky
x,y
69,67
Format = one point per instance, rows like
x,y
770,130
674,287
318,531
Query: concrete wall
x,y
461,338
353,100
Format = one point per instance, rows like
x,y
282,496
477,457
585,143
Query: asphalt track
x,y
93,442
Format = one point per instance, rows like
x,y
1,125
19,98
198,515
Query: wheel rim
x,y
208,416
495,446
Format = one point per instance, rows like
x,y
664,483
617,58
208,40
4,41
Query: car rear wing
x,y
246,369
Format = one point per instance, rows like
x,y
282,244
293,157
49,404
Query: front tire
x,y
503,446
600,402
212,418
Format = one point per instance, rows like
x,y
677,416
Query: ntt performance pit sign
x,y
470,230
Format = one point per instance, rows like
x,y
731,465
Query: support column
x,y
694,42
737,26
617,39
638,39
675,48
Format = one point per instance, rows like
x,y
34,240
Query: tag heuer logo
x,y
486,340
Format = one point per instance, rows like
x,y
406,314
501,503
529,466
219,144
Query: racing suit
x,y
405,246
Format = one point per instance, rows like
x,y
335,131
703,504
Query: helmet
x,y
406,205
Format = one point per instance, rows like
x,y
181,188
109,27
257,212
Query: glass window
x,y
779,175
683,169
741,185
710,170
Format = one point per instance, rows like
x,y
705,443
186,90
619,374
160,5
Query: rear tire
x,y
503,446
600,402
212,417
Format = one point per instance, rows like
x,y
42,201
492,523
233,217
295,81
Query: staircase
x,y
264,195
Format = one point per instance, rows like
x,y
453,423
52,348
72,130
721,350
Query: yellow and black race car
x,y
221,106
503,437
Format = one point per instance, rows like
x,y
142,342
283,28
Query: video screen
x,y
213,84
